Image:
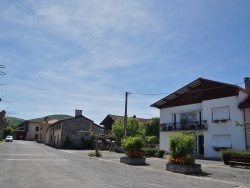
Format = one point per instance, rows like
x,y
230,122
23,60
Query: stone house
x,y
72,132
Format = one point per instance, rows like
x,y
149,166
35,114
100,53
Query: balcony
x,y
178,126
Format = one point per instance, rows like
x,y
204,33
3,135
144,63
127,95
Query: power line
x,y
105,105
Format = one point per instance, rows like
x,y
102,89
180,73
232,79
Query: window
x,y
222,141
221,113
37,128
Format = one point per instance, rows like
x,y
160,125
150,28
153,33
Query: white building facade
x,y
208,110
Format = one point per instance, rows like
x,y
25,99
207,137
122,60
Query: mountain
x,y
59,116
14,121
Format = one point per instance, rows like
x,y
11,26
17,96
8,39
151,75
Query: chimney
x,y
247,83
46,119
78,113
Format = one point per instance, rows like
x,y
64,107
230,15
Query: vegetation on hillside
x,y
59,116
15,122
12,121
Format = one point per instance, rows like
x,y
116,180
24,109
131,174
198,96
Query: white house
x,y
208,109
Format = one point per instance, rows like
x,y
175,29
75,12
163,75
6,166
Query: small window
x,y
221,113
37,128
222,141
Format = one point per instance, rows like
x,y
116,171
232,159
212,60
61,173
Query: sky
x,y
62,55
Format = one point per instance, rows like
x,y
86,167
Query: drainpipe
x,y
244,118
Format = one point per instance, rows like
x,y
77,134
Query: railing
x,y
178,126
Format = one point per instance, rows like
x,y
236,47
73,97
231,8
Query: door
x,y
201,144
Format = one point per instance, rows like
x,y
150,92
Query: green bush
x,y
67,142
226,154
132,146
132,143
150,152
152,140
153,152
182,145
160,153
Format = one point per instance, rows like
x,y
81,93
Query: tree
x,y
118,129
8,130
134,128
153,127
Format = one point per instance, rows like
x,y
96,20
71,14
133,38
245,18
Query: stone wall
x,y
70,132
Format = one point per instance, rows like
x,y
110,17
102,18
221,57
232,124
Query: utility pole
x,y
125,115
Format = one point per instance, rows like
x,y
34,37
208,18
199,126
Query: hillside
x,y
59,116
16,121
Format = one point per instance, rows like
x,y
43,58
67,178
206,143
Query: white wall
x,y
223,128
32,131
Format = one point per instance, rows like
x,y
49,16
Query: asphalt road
x,y
25,164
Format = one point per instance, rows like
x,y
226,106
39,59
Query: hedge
x,y
153,152
226,154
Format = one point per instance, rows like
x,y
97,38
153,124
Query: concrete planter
x,y
133,161
184,169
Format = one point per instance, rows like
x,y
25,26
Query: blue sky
x,y
85,54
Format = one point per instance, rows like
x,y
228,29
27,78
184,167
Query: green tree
x,y
134,128
8,130
153,127
118,130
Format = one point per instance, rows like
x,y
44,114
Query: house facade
x,y
42,129
32,128
72,132
208,110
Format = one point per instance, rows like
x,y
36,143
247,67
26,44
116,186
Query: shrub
x,y
67,142
149,152
152,140
181,147
153,152
132,146
160,153
226,154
